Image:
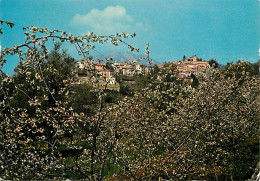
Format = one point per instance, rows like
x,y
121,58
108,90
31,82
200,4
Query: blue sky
x,y
226,30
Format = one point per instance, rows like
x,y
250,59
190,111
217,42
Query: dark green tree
x,y
213,63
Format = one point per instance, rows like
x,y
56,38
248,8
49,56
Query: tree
x,y
167,130
213,63
195,81
256,67
84,99
42,136
199,133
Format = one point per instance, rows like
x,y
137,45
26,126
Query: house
x,y
88,69
194,58
189,66
118,67
128,70
80,64
141,69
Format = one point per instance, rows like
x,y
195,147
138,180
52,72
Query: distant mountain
x,y
122,57
221,65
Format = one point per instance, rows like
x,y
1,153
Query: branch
x,y
23,92
175,151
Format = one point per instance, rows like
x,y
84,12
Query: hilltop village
x,y
182,69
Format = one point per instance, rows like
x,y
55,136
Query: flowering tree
x,y
39,127
178,132
167,130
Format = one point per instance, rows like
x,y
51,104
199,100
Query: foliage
x,y
208,132
42,136
125,90
213,63
195,81
83,99
8,23
241,68
52,128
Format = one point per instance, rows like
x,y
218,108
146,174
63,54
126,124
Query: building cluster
x,y
183,69
109,70
188,66
129,69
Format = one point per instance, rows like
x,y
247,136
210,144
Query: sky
x,y
225,30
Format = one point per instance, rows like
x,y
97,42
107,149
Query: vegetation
x,y
213,63
157,128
